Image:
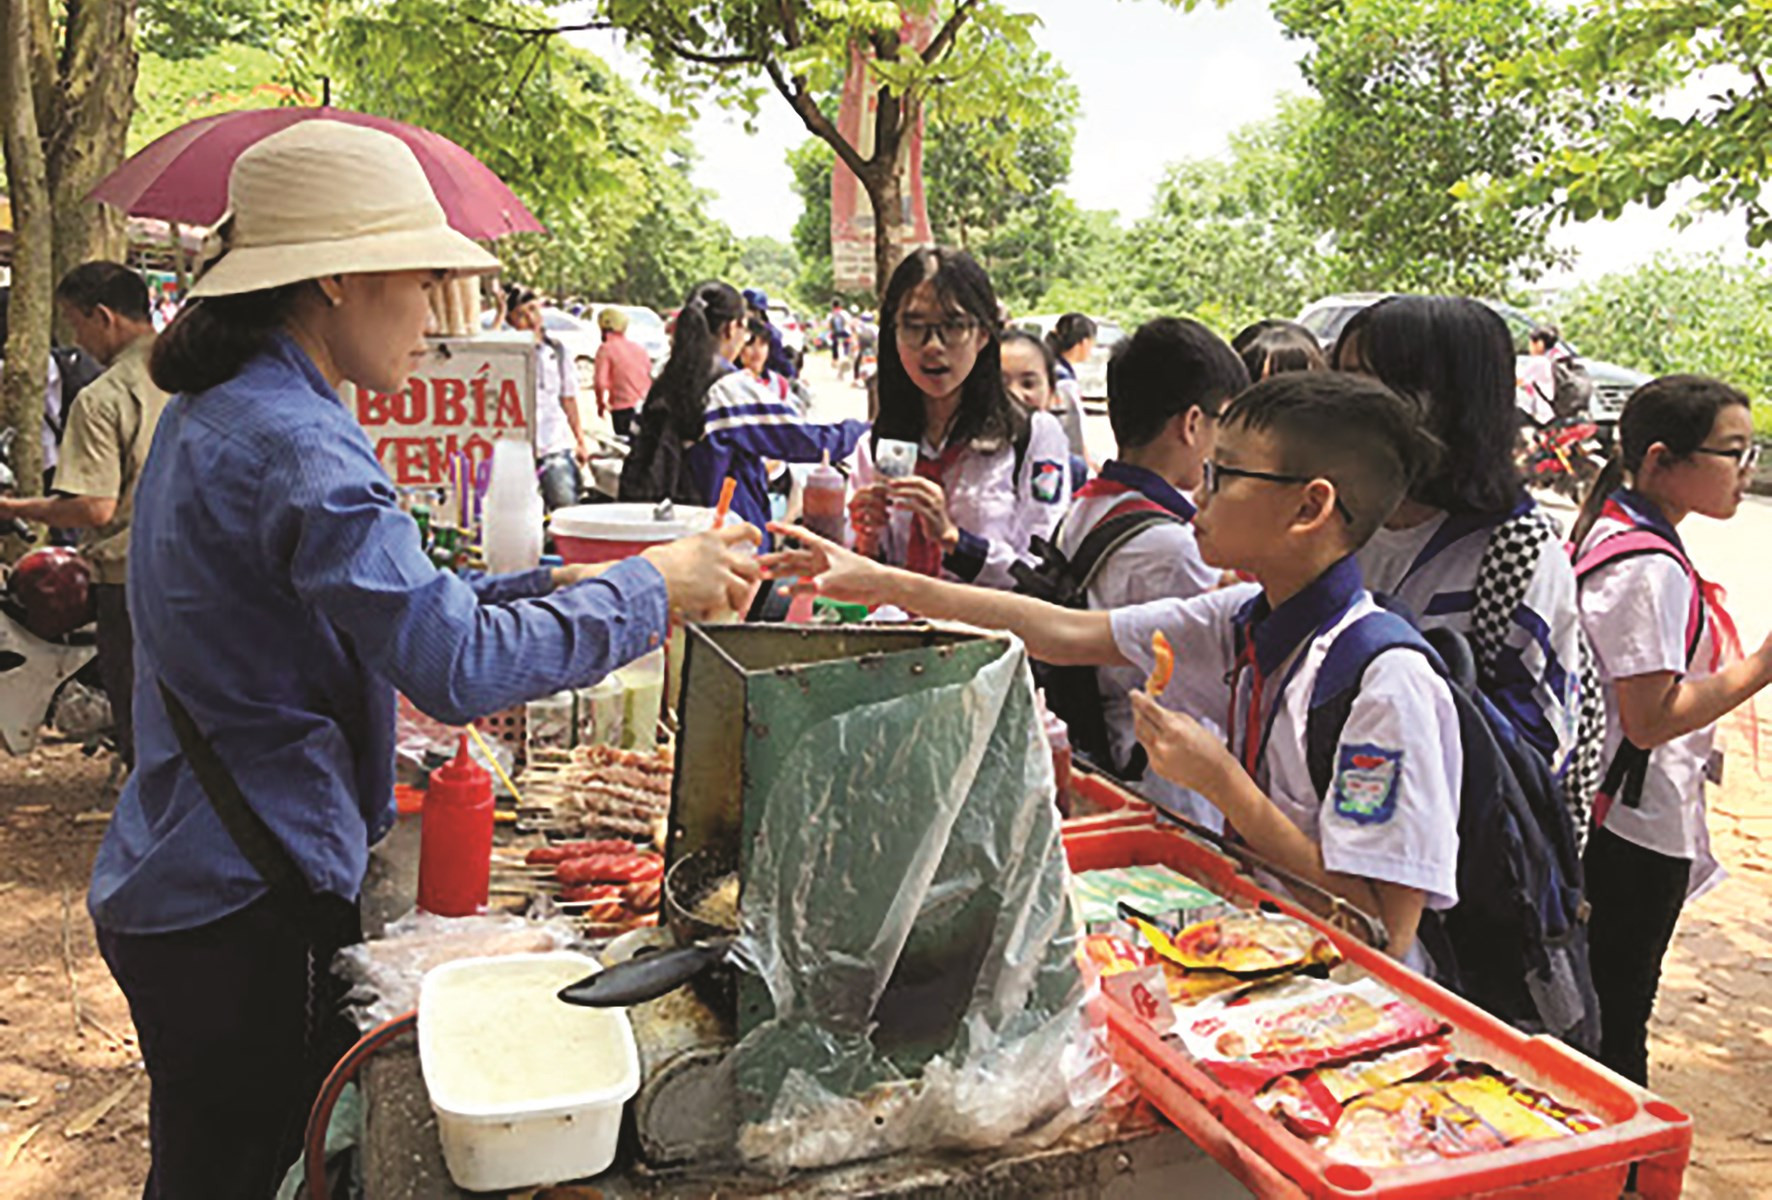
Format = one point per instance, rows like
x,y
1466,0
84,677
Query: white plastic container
x,y
596,533
528,1090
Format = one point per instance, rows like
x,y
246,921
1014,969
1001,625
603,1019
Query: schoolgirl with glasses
x,y
1671,666
989,476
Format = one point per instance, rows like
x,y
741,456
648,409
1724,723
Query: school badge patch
x,y
1048,481
1366,783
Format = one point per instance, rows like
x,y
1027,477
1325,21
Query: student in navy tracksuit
x,y
732,423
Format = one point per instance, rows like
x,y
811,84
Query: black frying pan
x,y
702,954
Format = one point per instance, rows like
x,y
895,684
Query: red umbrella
x,y
183,176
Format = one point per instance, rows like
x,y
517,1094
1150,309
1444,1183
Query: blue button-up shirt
x,y
280,593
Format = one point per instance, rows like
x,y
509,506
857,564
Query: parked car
x,y
1613,384
1092,372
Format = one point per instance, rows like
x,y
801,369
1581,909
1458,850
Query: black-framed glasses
x,y
1215,474
946,332
1746,457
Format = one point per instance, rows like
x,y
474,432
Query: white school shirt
x,y
1400,743
1159,563
998,511
1539,677
1635,611
555,377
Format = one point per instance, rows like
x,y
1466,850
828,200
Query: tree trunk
x,y
99,68
886,194
28,310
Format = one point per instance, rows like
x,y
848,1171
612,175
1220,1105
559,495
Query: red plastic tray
x,y
1640,1128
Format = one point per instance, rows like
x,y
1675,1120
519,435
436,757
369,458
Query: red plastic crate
x,y
1640,1128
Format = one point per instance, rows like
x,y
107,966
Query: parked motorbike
x,y
1564,455
46,635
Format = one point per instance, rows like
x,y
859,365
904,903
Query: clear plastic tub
x,y
528,1090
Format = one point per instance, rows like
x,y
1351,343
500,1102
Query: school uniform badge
x,y
1049,481
1366,783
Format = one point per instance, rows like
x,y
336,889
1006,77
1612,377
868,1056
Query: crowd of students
x,y
1266,498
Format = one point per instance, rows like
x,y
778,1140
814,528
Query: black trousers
x,y
624,420
1636,896
239,1023
116,663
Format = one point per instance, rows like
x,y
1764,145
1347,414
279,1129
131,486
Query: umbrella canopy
x,y
183,176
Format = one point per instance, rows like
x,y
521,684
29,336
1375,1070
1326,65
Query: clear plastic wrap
x,y
384,974
906,909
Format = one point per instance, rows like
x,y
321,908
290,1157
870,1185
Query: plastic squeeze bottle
x,y
455,847
822,500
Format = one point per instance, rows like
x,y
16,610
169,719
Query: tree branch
x,y
790,24
943,41
534,32
714,60
814,119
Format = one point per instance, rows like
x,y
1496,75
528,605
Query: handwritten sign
x,y
465,393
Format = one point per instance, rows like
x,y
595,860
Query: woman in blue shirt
x,y
280,597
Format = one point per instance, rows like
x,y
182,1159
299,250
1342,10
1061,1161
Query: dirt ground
x,y
73,1097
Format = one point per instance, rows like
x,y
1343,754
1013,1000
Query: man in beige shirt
x,y
104,445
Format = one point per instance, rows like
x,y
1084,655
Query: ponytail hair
x,y
682,387
1676,411
213,337
1071,331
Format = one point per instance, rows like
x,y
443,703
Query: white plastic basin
x,y
528,1090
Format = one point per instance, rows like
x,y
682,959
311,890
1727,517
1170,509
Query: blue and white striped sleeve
x,y
756,421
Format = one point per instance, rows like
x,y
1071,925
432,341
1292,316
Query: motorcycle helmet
x,y
54,588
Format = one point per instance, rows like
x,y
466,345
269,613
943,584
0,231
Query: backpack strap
x,y
1635,543
1628,771
1338,680
1065,579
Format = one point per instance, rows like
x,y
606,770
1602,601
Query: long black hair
x,y
1070,331
987,416
213,337
1678,411
682,387
1455,358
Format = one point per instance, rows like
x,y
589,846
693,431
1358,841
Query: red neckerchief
x,y
924,553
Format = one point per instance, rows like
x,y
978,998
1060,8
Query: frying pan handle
x,y
647,977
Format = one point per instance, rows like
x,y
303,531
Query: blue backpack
x,y
1516,942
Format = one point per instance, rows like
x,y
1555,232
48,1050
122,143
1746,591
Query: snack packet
x,y
1310,1104
1246,1045
1473,1111
1244,943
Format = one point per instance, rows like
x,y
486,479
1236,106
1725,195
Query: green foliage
x,y
1662,130
1407,115
607,172
170,92
1681,314
1225,240
770,264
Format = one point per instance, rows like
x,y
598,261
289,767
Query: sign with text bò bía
x,y
465,393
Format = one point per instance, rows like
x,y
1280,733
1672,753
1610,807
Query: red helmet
x,y
54,587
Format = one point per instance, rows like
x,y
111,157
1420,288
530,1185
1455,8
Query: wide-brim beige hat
x,y
326,198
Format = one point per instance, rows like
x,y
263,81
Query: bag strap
x,y
254,839
1102,542
1338,683
1635,543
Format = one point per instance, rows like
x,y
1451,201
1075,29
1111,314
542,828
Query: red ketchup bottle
x,y
455,846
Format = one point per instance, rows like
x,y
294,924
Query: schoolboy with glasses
x,y
1306,467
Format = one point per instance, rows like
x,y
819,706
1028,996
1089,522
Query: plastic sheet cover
x,y
906,908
